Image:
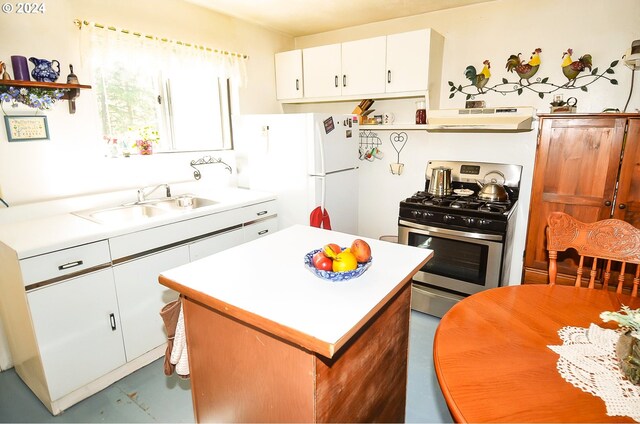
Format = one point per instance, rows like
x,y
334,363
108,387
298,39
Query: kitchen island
x,y
269,341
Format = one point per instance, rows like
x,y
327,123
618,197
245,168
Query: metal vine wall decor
x,y
526,70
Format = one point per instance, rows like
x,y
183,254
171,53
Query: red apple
x,y
361,250
320,261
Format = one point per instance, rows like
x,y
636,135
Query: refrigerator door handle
x,y
320,142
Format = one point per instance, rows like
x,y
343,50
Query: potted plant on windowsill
x,y
147,137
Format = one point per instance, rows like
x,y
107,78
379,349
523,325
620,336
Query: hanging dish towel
x,y
171,314
319,218
179,355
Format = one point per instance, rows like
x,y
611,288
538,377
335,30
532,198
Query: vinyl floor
x,y
147,396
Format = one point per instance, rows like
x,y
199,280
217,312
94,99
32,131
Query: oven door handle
x,y
444,231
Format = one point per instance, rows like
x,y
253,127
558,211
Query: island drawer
x,y
59,264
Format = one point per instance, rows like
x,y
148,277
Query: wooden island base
x,y
240,373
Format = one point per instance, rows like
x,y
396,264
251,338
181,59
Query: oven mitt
x,y
320,218
326,222
170,314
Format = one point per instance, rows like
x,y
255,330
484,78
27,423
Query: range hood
x,y
512,119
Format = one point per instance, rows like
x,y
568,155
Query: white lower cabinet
x,y
140,298
214,244
78,331
83,317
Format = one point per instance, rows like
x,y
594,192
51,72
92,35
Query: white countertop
x,y
267,277
38,228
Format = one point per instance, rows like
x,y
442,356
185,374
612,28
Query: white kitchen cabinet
x,y
411,59
140,298
356,67
363,66
393,66
260,228
289,82
78,331
214,244
82,315
322,68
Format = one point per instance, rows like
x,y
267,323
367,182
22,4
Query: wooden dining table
x,y
492,359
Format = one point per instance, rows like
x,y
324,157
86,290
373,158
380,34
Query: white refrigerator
x,y
310,160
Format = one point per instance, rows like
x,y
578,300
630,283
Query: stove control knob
x,y
427,215
415,213
448,218
483,223
469,221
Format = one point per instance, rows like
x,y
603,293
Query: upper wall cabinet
x,y
397,65
322,69
289,75
408,65
353,68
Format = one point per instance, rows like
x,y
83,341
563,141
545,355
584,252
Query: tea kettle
x,y
440,183
492,191
43,70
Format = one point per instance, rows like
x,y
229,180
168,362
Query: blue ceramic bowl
x,y
334,276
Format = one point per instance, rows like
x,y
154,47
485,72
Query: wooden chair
x,y
611,240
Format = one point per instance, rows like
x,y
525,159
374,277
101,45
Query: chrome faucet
x,y
143,193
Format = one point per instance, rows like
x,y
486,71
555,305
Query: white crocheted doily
x,y
588,361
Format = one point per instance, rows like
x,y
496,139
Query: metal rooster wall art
x,y
574,70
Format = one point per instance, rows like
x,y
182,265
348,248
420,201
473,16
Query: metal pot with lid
x,y
440,183
492,191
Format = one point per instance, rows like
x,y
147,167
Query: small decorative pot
x,y
145,147
628,354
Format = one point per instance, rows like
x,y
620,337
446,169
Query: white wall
x,y
472,34
73,161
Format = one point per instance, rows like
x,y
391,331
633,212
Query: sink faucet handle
x,y
168,190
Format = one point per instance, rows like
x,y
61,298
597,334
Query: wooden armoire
x,y
587,165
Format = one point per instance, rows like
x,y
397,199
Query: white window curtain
x,y
101,45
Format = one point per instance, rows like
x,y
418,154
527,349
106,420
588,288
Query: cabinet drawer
x,y
132,244
258,211
260,229
57,265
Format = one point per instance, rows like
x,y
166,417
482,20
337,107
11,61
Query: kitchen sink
x,y
183,203
142,211
115,215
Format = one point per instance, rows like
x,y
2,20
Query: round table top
x,y
492,361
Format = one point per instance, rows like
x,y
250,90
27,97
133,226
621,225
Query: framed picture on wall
x,y
26,127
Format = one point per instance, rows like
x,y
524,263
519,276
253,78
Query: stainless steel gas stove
x,y
470,235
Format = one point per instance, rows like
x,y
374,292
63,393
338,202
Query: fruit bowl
x,y
334,276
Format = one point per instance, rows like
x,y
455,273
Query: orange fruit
x,y
344,261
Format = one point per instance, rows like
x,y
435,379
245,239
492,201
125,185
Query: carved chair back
x,y
606,241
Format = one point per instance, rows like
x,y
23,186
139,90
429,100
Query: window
x,y
187,116
177,95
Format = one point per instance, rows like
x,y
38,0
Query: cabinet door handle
x,y
336,81
297,84
69,265
344,80
622,206
112,319
389,76
261,213
263,232
607,203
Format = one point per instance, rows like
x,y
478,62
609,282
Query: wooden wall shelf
x,y
37,84
70,95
